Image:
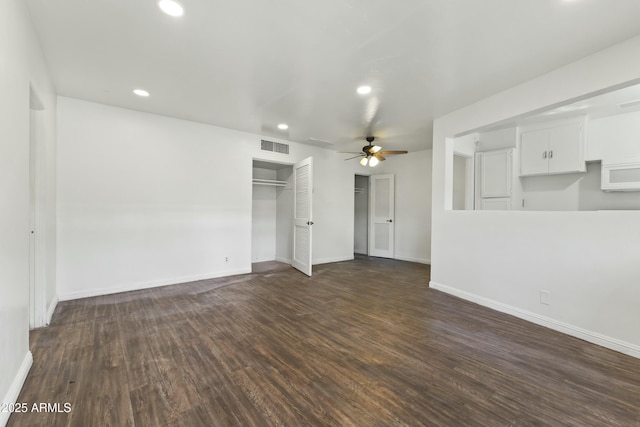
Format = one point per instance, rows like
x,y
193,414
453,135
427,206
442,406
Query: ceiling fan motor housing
x,y
367,148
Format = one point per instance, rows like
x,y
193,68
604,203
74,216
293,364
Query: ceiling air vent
x,y
276,147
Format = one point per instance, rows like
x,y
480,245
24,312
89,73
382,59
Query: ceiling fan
x,y
372,154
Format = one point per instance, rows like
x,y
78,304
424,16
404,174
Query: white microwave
x,y
621,176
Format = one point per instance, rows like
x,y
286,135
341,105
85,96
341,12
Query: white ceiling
x,y
251,64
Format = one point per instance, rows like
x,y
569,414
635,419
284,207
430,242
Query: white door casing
x,y
303,215
382,212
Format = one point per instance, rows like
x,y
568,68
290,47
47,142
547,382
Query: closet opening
x,y
361,216
272,216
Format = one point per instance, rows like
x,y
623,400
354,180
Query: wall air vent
x,y
276,147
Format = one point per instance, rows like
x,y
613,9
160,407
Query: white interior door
x,y
496,170
381,223
302,215
32,220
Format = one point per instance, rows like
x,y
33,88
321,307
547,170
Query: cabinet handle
x,y
551,154
544,155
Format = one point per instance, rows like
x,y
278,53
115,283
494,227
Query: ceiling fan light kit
x,y
373,154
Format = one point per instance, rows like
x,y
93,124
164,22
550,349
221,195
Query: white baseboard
x,y
146,285
575,331
330,260
285,260
16,385
410,259
51,309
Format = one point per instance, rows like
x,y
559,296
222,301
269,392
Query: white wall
x,y
552,192
613,137
588,260
413,204
146,200
21,64
591,197
497,139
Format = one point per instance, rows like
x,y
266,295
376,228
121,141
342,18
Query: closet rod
x,y
272,184
270,181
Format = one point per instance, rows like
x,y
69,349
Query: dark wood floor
x,y
360,343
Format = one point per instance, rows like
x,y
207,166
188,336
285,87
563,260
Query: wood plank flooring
x,y
364,342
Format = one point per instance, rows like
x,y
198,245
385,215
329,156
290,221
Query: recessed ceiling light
x,y
363,90
283,126
171,7
141,92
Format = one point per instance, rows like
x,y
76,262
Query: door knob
x,y
389,220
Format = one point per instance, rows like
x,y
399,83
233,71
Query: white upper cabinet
x,y
554,150
496,173
534,151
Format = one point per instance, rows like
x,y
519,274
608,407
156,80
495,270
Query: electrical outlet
x,y
545,297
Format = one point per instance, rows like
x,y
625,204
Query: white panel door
x,y
32,220
498,204
381,232
496,170
534,152
302,215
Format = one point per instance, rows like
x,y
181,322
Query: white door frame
x,y
387,218
302,254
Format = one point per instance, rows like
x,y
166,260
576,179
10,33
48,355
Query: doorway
x,y
281,218
382,215
463,182
272,212
361,216
374,215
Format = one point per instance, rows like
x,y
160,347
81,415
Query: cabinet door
x,y
565,149
496,173
500,204
534,150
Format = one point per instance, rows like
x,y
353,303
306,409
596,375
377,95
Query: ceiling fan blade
x,y
379,157
354,157
349,152
394,152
